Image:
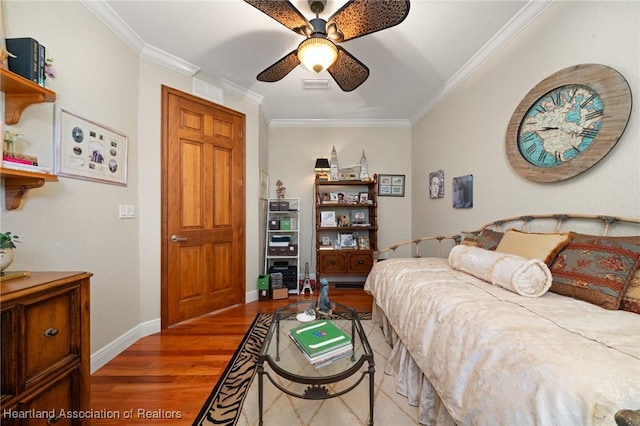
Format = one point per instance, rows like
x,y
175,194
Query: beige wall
x,y
465,134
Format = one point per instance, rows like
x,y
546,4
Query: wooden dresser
x,y
45,349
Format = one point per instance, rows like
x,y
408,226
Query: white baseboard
x,y
117,346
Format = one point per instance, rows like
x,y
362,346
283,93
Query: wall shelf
x,y
18,182
19,93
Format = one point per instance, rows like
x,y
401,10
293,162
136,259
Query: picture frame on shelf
x,y
363,243
363,197
87,150
326,241
391,185
328,218
347,241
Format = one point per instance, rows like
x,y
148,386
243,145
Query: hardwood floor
x,y
165,378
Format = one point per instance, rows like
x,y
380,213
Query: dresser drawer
x,y
51,333
57,401
333,263
360,262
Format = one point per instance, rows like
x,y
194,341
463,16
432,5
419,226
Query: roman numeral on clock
x,y
589,133
594,114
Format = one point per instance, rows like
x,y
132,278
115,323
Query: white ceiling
x,y
412,65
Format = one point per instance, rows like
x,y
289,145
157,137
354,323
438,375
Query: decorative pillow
x,y
596,269
527,277
631,297
489,239
532,245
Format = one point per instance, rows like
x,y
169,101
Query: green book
x,y
319,337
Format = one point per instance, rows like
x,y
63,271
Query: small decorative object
x,y
4,56
324,305
334,164
436,184
463,192
280,189
568,122
364,168
10,139
349,173
49,72
7,244
343,220
391,185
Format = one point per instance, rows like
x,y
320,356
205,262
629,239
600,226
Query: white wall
x,y
465,134
292,156
73,224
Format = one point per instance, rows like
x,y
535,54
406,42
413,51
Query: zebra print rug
x,y
225,402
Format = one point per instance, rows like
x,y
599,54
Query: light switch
x,y
127,211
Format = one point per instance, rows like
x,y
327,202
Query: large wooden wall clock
x,y
568,122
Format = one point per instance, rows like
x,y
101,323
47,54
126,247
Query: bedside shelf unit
x,y
19,93
353,237
283,223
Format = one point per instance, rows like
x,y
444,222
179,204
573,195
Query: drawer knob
x,y
333,262
51,332
360,262
52,420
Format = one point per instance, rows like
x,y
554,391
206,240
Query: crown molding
x,y
311,122
241,92
519,22
112,20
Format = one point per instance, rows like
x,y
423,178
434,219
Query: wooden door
x,y
203,208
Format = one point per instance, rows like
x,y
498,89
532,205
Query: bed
x,y
468,350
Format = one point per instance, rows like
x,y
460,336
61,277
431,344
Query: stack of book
x,y
321,342
29,60
17,161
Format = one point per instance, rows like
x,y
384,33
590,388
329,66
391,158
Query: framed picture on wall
x,y
391,185
88,150
463,192
436,184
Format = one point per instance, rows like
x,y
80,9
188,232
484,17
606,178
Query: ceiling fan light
x,y
317,53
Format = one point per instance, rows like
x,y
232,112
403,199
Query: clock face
x,y
568,122
560,125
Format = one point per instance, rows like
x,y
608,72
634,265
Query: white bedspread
x,y
497,358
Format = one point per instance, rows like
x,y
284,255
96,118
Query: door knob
x,y
177,239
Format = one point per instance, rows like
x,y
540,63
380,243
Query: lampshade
x,y
317,53
322,165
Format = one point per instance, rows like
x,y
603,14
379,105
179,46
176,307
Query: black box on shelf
x,y
283,205
274,206
274,224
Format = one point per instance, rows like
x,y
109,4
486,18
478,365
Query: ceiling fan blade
x,y
347,71
285,13
361,17
281,68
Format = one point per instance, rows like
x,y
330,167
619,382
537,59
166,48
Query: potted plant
x,y
7,244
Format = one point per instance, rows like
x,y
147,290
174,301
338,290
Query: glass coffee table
x,y
281,358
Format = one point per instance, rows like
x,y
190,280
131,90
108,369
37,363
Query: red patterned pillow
x,y
489,239
596,269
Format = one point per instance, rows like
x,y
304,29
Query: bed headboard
x,y
582,223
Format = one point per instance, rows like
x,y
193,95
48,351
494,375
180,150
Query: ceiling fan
x,y
319,51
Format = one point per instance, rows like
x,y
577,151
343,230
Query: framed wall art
x,y
463,192
436,184
391,185
264,185
88,150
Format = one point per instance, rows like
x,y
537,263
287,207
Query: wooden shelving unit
x,y
19,93
17,182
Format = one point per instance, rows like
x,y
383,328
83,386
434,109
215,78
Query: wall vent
x,y
315,84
